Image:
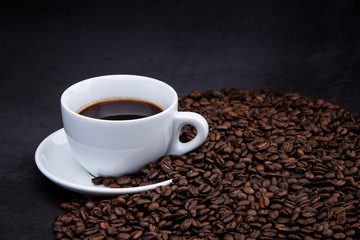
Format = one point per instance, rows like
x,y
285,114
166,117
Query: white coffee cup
x,y
121,147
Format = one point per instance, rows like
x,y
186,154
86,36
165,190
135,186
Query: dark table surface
x,y
298,46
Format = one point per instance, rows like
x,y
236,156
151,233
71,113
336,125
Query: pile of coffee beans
x,y
274,166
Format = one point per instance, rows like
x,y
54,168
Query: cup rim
x,y
76,114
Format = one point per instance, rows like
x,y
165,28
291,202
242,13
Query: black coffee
x,y
121,109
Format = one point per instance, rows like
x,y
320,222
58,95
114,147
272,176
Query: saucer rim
x,y
88,190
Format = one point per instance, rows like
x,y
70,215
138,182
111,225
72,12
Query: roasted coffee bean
x,y
309,212
123,236
274,166
152,207
248,190
120,211
123,180
97,180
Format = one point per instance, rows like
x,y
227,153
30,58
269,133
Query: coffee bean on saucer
x,y
97,180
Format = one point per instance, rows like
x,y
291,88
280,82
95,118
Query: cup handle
x,y
180,120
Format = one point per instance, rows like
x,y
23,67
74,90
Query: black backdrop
x,y
308,47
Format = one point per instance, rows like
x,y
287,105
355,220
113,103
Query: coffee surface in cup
x,y
121,109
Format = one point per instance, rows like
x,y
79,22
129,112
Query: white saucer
x,y
54,159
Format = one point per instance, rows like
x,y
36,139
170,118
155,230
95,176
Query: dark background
x,y
309,47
